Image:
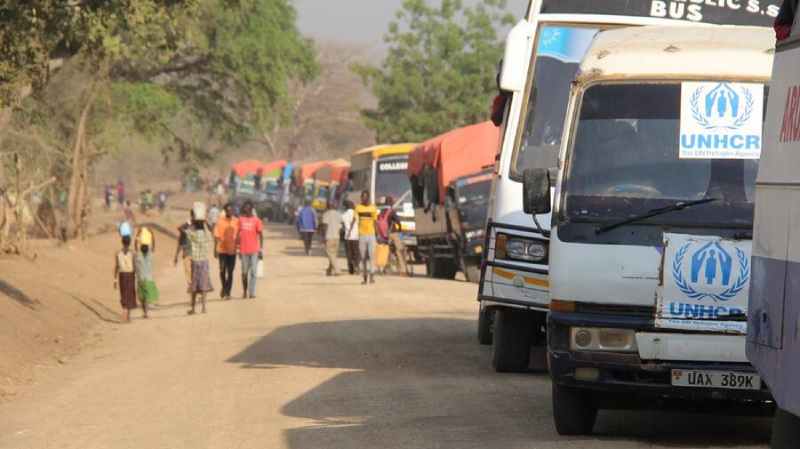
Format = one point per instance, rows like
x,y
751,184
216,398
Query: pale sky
x,y
363,22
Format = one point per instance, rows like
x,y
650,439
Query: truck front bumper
x,y
623,380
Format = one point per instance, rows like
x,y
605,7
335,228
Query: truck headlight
x,y
526,250
602,339
473,235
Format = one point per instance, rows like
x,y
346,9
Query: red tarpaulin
x,y
307,171
244,168
275,168
458,153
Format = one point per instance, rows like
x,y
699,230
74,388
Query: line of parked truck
x,y
609,220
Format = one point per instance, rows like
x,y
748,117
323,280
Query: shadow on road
x,y
421,383
17,295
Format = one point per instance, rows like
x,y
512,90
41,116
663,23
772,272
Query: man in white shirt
x,y
350,223
332,221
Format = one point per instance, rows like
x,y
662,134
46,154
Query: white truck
x,y
652,223
542,56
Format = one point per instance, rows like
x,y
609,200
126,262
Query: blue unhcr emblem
x,y
722,107
711,272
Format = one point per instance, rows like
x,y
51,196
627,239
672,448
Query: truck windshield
x,y
473,201
559,52
626,158
391,178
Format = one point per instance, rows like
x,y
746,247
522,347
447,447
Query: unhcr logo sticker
x,y
721,120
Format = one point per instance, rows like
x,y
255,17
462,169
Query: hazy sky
x,y
359,21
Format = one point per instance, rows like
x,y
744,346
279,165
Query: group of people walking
x,y
363,229
230,236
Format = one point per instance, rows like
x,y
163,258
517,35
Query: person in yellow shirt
x,y
367,215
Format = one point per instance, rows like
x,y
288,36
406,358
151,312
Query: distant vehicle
x,y
381,170
652,219
542,55
773,345
451,193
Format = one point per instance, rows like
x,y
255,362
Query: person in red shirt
x,y
250,243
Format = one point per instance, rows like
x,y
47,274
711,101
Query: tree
x,y
440,69
186,73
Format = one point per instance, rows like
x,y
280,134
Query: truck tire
x,y
446,269
785,430
485,323
573,413
511,341
472,272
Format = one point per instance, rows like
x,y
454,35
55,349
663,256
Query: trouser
x,y
249,267
400,249
366,250
332,250
308,237
351,247
227,263
187,270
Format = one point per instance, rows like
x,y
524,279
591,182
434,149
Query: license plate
x,y
716,379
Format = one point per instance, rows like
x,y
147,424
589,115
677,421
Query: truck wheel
x,y
511,340
472,272
447,269
485,323
785,430
573,413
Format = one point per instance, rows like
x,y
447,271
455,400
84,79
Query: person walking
x,y
200,245
183,250
148,292
108,194
307,225
125,278
250,243
332,223
367,215
350,224
121,192
225,233
395,239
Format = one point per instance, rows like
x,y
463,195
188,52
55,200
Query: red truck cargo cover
x,y
307,171
333,171
458,153
273,169
244,168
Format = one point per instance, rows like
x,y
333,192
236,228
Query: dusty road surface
x,y
316,363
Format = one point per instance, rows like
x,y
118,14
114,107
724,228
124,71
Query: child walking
x,y
125,278
148,292
200,246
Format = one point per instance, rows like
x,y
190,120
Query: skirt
x,y
148,292
201,280
127,291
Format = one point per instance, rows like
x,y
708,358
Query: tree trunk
x,y
75,202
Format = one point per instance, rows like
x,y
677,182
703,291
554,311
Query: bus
x,y
542,55
382,171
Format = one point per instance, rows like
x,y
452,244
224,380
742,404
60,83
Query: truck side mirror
x,y
536,191
517,57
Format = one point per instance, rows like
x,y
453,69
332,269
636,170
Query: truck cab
x,y
773,341
652,222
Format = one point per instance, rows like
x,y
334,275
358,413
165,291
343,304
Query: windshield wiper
x,y
681,205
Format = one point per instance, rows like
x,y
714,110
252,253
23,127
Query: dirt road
x,y
318,363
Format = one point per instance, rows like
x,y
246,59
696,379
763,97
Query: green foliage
x,y
440,71
251,50
146,107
